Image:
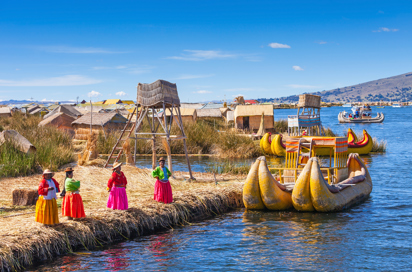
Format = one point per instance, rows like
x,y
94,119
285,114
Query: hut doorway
x,y
246,122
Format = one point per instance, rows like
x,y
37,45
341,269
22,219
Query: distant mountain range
x,y
396,88
23,102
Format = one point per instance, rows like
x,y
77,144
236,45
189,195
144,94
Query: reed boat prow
x,y
275,195
355,189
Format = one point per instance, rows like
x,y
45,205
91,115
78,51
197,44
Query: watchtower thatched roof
x,y
154,94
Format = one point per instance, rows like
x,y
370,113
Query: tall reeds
x,y
54,147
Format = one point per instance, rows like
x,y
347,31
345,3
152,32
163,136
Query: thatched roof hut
x,y
98,121
5,112
192,105
66,109
249,116
60,120
188,115
209,113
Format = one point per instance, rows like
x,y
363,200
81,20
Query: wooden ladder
x,y
126,130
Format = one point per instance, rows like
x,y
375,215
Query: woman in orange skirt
x,y
72,205
46,206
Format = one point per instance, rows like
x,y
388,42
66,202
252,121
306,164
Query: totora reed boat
x,y
306,183
275,146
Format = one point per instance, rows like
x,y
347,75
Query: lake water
x,y
375,235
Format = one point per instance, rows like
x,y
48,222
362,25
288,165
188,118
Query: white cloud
x,y
49,100
77,50
203,92
279,45
69,80
93,94
121,67
121,93
236,95
297,68
297,86
321,42
385,29
193,76
199,55
239,90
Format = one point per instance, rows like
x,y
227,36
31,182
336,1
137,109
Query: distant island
x,y
396,88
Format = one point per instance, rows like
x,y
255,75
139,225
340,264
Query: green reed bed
x,y
229,167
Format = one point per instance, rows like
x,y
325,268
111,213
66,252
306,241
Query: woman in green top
x,y
163,190
72,205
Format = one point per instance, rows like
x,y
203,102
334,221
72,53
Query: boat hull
x,y
262,191
378,119
363,147
325,201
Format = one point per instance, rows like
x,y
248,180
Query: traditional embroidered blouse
x,y
160,173
117,180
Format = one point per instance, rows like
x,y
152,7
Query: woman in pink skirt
x,y
117,189
162,190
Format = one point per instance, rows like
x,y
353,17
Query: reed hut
x,y
230,116
60,120
98,122
5,112
66,109
188,115
249,116
209,114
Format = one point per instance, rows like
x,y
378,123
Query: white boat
x,y
360,114
347,105
397,105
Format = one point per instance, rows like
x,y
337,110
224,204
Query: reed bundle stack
x,y
90,152
127,150
24,197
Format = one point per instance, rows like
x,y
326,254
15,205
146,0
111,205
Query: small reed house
x,y
188,115
249,116
99,122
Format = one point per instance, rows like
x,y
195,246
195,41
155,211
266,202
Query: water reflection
x,y
116,259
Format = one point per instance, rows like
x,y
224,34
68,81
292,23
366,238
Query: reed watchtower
x,y
308,117
153,100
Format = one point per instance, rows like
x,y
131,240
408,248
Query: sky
x,y
212,50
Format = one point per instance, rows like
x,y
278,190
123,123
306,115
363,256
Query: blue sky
x,y
213,50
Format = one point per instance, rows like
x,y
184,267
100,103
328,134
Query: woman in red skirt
x,y
163,190
72,205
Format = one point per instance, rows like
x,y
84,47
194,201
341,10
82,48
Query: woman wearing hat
x,y
117,189
72,205
163,190
46,206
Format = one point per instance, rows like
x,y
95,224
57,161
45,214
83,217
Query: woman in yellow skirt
x,y
46,206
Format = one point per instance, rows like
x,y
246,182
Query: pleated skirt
x,y
46,211
72,206
163,192
117,199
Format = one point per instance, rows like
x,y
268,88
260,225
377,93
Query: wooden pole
x,y
91,116
184,144
168,151
152,127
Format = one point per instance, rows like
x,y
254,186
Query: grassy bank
x,y
24,241
54,147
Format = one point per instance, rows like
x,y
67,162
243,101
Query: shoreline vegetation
x,y
55,148
25,243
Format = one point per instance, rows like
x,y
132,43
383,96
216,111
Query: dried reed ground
x,y
24,242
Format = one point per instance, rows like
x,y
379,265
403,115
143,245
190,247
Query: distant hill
x,y
396,88
14,102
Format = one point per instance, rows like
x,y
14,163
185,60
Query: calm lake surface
x,y
375,235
